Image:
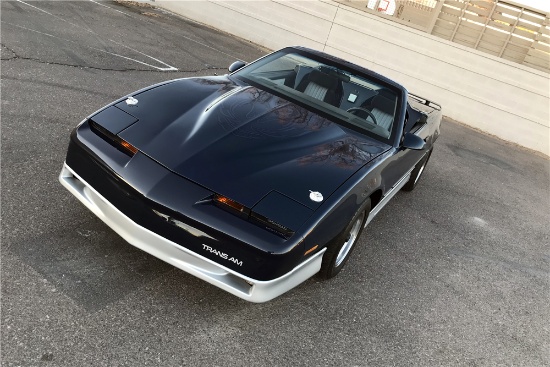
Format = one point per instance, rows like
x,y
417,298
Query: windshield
x,y
363,102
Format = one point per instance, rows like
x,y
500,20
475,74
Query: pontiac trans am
x,y
256,180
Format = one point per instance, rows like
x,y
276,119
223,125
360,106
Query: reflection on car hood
x,y
243,142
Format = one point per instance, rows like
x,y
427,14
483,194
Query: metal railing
x,y
501,28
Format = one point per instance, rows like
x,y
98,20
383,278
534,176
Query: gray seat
x,y
383,109
322,86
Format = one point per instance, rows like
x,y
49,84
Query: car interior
x,y
350,96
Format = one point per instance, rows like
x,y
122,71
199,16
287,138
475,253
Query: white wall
x,y
500,97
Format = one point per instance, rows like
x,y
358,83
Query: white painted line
x,y
167,68
170,68
118,11
178,34
55,16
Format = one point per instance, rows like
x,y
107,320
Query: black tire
x,y
417,172
339,249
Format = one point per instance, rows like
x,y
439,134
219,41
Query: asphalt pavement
x,y
454,273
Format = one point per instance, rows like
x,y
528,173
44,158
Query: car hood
x,y
243,142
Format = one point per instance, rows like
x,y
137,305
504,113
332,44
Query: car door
x,y
404,159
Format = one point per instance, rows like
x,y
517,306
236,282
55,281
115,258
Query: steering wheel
x,y
361,109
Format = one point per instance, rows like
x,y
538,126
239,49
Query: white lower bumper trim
x,y
237,284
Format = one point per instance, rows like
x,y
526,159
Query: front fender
x,y
337,211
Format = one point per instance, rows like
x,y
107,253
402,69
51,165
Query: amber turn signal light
x,y
129,147
231,203
113,139
311,250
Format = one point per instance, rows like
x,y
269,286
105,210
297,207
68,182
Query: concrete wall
x,y
500,97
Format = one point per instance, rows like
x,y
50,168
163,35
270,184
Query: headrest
x,y
334,72
324,80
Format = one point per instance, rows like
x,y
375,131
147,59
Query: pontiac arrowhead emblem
x,y
131,101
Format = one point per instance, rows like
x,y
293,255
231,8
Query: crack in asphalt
x,y
18,57
10,50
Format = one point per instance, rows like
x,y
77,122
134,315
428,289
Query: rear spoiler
x,y
425,101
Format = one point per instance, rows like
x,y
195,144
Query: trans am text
x,y
223,255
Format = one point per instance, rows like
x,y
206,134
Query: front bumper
x,y
229,280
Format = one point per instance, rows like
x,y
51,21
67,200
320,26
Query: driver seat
x,y
322,86
383,109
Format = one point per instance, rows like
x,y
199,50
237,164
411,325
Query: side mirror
x,y
236,66
414,142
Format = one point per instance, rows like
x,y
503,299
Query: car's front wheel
x,y
341,247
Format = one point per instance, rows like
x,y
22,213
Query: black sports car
x,y
256,180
